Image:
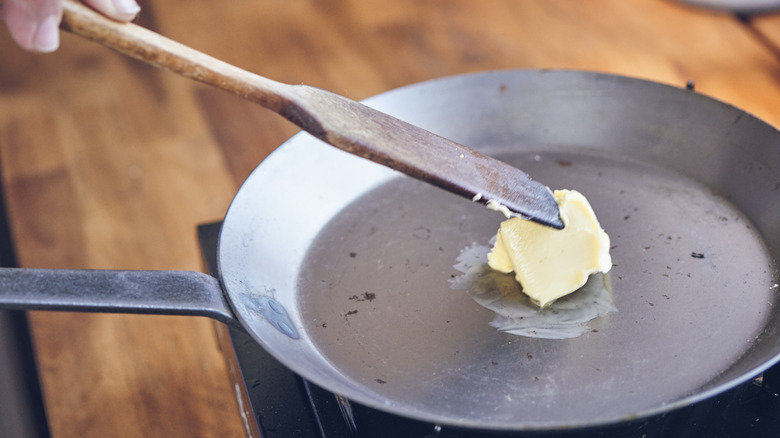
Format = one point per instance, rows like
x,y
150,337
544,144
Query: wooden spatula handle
x,y
150,47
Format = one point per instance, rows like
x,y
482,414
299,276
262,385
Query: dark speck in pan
x,y
380,381
697,255
350,313
353,254
564,163
365,296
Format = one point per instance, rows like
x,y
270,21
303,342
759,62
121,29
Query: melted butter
x,y
549,263
515,313
497,206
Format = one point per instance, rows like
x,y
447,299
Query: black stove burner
x,y
285,405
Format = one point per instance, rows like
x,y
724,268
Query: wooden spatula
x,y
341,122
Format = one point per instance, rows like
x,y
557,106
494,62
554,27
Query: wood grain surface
x,y
109,163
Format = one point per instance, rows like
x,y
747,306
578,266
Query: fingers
x,y
122,10
34,24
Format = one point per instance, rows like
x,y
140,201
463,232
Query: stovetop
x,y
280,404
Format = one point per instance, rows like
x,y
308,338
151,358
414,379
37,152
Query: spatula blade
x,y
384,139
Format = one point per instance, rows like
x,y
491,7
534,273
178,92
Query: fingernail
x,y
47,35
128,8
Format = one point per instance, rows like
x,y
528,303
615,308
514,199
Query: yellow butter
x,y
550,263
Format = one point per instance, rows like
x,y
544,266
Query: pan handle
x,y
115,291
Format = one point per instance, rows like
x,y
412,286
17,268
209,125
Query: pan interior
x,y
693,284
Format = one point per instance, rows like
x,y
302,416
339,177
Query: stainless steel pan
x,y
354,277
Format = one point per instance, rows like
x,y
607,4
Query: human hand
x,y
34,24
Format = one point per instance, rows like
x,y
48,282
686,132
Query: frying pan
x,y
351,274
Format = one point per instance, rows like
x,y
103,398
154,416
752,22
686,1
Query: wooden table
x,y
108,163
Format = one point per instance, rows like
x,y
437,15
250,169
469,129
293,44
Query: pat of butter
x,y
550,263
